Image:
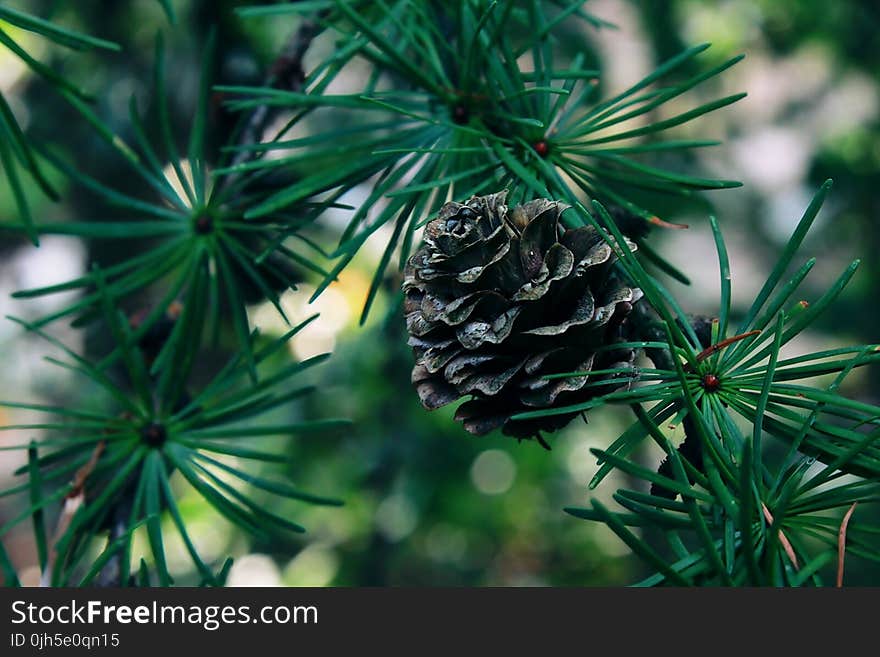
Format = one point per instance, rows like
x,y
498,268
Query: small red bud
x,y
204,224
542,148
711,383
460,114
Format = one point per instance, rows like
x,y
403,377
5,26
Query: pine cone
x,y
497,298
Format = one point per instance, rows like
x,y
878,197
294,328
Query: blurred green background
x,y
426,503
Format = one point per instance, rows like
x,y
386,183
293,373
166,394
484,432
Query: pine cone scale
x,y
475,333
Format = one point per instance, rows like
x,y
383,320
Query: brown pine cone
x,y
497,298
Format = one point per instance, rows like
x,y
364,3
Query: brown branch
x,y
718,346
79,479
786,545
72,502
841,544
287,73
657,221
